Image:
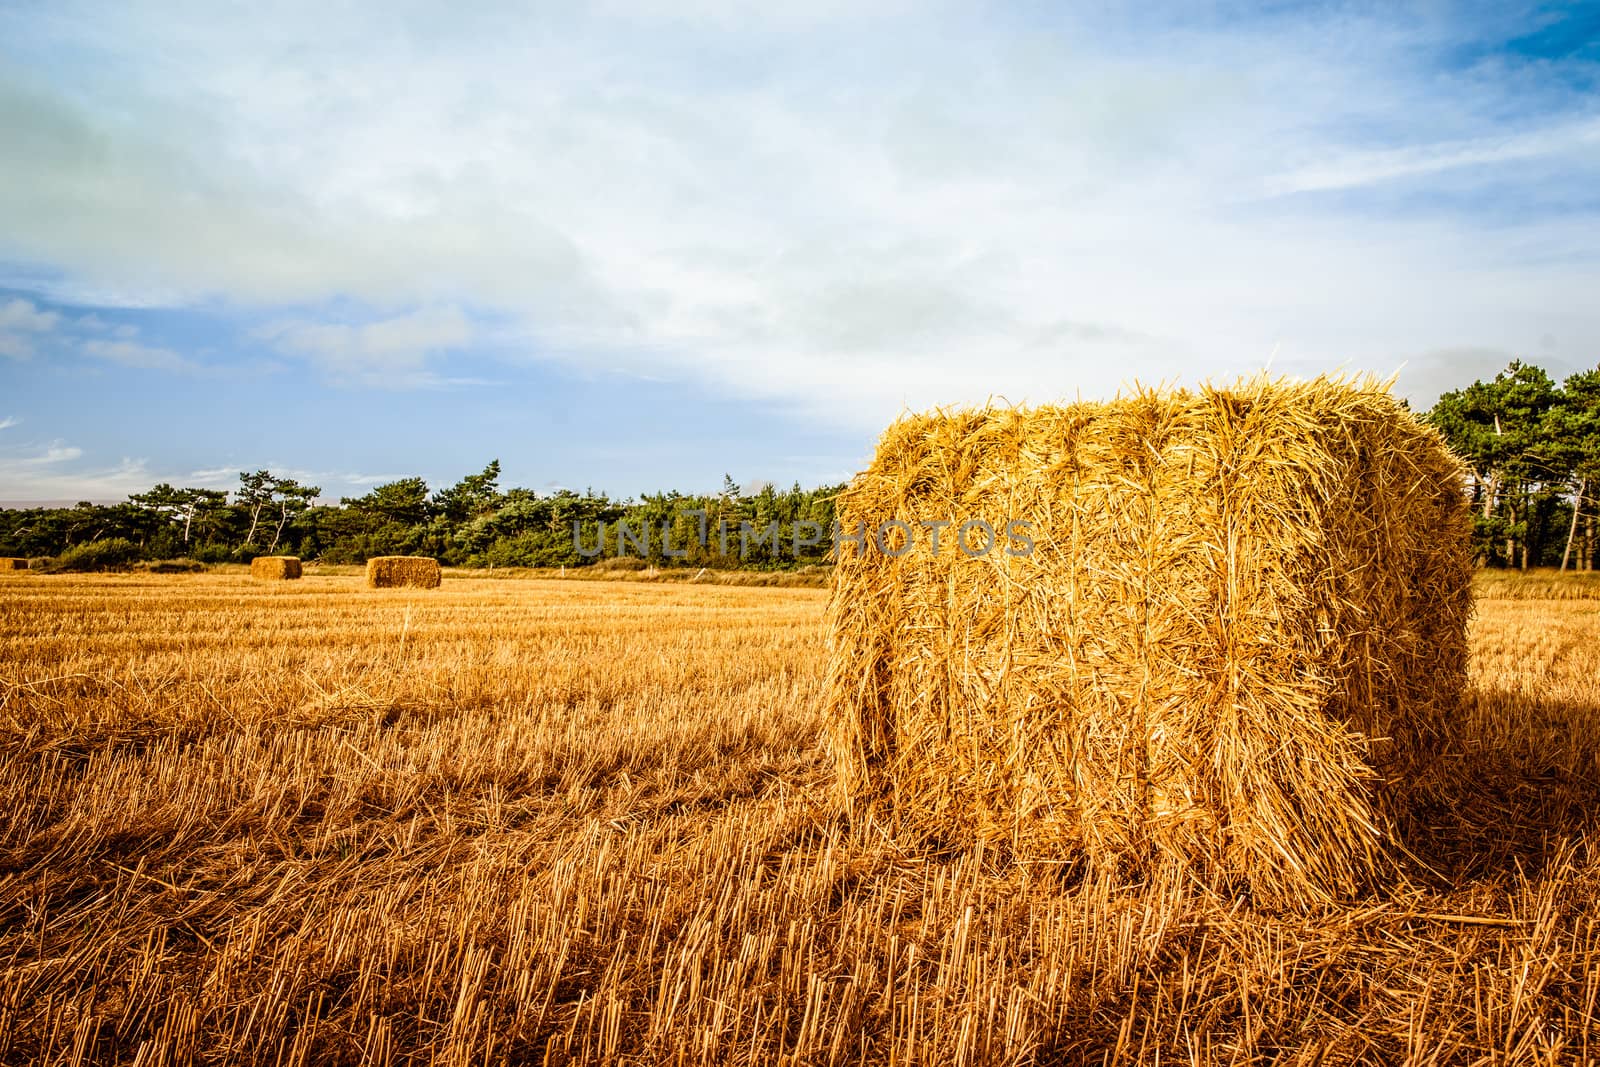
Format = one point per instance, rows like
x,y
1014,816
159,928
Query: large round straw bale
x,y
390,572
275,568
1239,630
13,563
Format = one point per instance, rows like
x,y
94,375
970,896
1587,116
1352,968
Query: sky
x,y
636,246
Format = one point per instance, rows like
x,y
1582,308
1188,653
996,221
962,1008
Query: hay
x,y
389,572
275,568
1241,631
13,563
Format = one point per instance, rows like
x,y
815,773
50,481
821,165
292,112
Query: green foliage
x,y
212,552
1533,449
540,548
1573,428
114,553
389,539
172,566
472,496
272,503
404,502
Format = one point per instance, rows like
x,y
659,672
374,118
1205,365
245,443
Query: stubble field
x,y
545,821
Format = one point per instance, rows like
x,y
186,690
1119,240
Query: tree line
x,y
472,523
1532,451
1531,447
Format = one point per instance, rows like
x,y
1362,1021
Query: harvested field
x,y
582,822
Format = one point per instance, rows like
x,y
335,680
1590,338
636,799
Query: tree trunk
x,y
188,517
1488,496
1511,538
255,519
283,517
1572,530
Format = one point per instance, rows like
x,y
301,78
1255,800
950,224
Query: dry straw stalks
x,y
392,572
275,568
1233,649
244,829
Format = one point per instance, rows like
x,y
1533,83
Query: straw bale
x,y
275,568
389,572
1238,635
13,563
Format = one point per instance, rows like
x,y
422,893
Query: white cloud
x,y
19,314
849,212
210,476
53,472
20,322
133,354
8,422
392,350
1367,168
57,471
228,477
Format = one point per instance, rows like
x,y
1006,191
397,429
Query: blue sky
x,y
639,245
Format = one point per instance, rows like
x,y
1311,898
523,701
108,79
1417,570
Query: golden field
x,y
545,821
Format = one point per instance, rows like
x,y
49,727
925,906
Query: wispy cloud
x,y
21,322
228,477
388,351
134,354
1367,168
211,475
369,479
9,421
57,471
843,213
19,314
93,323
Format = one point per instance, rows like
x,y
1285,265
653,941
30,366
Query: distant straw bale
x,y
390,572
13,563
1239,632
275,568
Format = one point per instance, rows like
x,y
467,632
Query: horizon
x,y
745,489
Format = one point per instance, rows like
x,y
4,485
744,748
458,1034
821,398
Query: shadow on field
x,y
1521,775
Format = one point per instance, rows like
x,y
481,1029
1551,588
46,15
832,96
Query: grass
x,y
553,821
1544,584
